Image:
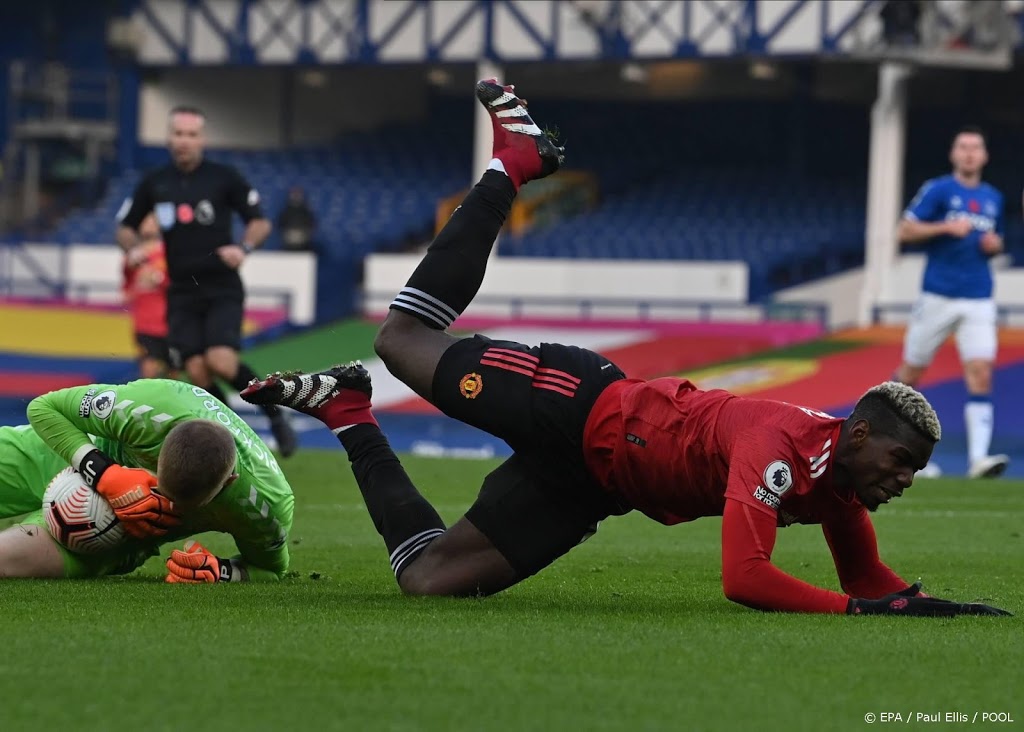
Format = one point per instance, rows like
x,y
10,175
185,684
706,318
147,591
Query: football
x,y
78,517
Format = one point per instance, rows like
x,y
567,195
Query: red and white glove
x,y
197,566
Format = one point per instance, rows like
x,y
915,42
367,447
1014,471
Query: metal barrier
x,y
638,310
93,274
36,277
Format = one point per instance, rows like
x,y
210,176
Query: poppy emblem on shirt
x,y
185,214
471,385
778,477
973,206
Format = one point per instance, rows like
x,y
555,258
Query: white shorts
x,y
934,317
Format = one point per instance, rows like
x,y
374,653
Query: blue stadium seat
x,y
700,181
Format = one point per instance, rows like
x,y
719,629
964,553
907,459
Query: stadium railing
x,y
637,311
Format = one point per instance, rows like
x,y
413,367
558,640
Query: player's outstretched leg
x,y
426,558
340,398
412,339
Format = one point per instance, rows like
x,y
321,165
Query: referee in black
x,y
193,199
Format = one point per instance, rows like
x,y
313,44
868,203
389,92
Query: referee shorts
x,y
198,319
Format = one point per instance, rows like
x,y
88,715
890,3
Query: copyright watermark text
x,y
939,717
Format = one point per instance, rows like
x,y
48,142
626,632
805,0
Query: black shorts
x,y
151,346
198,319
542,501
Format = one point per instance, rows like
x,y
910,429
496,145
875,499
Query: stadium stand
x,y
370,192
700,181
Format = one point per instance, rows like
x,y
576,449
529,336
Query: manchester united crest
x,y
471,385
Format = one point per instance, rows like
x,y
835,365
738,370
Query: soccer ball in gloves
x,y
78,517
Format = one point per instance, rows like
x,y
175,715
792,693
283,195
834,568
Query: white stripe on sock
x,y
413,553
496,164
416,548
411,545
431,299
411,540
413,309
421,308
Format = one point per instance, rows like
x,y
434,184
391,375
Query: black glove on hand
x,y
908,602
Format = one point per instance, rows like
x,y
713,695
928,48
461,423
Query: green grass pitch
x,y
628,632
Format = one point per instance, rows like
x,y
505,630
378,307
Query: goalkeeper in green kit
x,y
212,473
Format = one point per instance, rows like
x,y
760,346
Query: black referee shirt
x,y
193,211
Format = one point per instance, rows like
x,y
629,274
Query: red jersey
x,y
677,453
145,292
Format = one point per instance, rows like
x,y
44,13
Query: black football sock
x,y
242,378
404,518
448,278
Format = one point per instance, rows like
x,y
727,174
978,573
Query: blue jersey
x,y
958,267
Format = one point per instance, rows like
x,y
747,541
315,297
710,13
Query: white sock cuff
x,y
978,418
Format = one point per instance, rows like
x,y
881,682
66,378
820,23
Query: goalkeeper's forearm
x,y
47,419
252,573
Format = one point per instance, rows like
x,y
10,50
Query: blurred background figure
x,y
193,200
297,222
901,22
145,295
958,220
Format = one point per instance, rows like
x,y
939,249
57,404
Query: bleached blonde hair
x,y
904,402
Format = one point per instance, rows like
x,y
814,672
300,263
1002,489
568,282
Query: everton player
x,y
589,443
958,221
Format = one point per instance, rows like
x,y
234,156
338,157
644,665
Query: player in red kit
x,y
145,294
589,443
677,453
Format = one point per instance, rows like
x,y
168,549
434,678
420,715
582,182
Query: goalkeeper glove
x,y
197,566
912,602
129,491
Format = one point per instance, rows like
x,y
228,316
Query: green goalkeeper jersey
x,y
27,465
128,422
